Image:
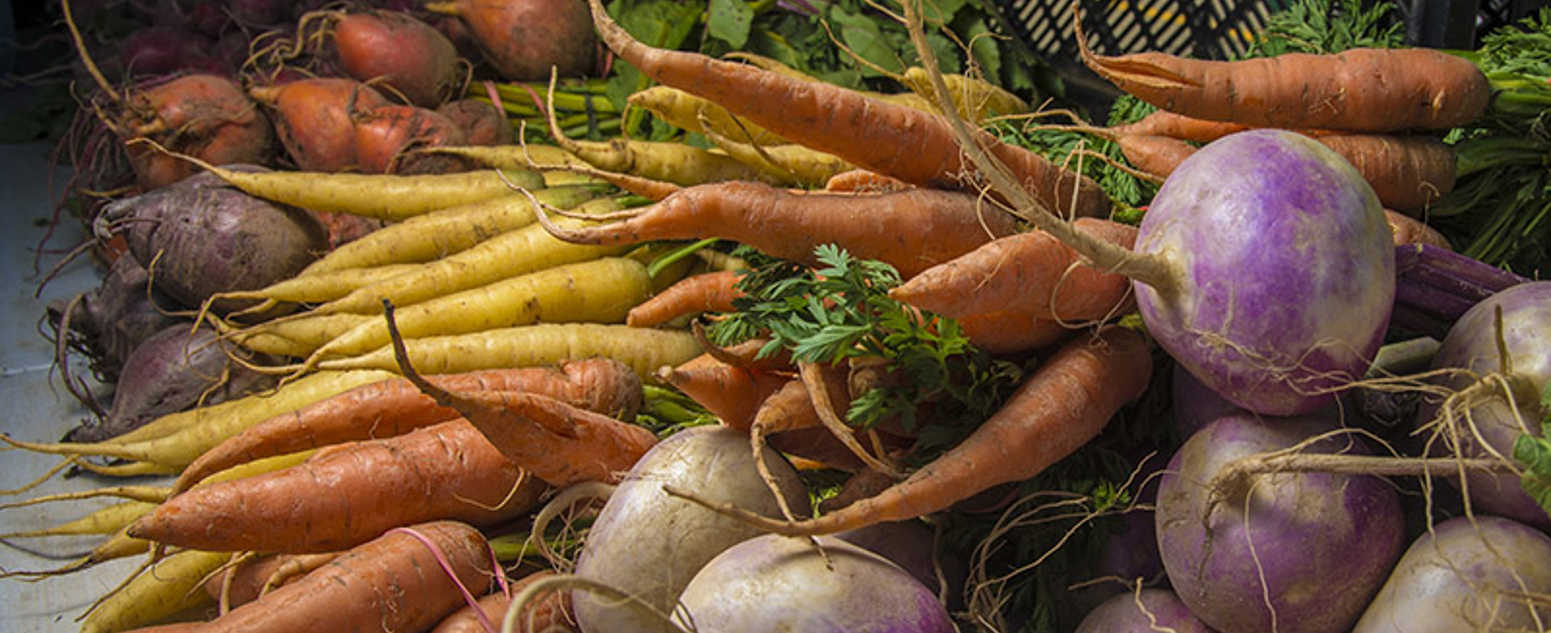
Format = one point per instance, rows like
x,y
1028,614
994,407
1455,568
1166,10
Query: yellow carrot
x,y
643,349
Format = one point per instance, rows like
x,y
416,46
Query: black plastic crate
x,y
1214,29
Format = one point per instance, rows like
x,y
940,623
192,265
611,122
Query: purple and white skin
x,y
1472,344
1482,574
1280,270
1145,611
1315,545
780,583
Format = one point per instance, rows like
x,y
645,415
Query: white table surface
x,y
35,406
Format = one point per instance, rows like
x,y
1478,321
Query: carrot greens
x,y
842,311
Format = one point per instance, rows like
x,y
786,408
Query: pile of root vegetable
x,y
399,346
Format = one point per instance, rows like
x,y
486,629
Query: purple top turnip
x,y
1315,545
1265,266
1142,612
1472,344
1482,574
1281,271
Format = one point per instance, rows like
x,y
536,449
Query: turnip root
x,y
1264,266
1481,412
1142,612
1482,574
1289,552
522,39
1283,270
206,237
649,544
780,583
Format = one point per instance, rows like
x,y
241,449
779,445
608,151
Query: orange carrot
x,y
1012,331
864,181
911,145
396,406
788,422
559,443
1407,172
705,292
1365,89
1409,230
1156,155
404,580
249,579
732,393
912,230
348,494
549,613
1027,272
1064,404
1178,126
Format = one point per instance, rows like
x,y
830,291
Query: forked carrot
x,y
559,443
1061,406
348,494
395,406
1027,272
731,392
911,230
914,146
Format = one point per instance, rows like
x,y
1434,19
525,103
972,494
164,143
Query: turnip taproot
x,y
780,583
1479,421
1266,556
649,544
1482,574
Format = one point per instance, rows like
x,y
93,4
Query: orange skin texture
x,y
348,494
315,119
1030,272
394,407
910,230
895,140
206,116
407,55
391,583
385,135
523,38
1362,89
